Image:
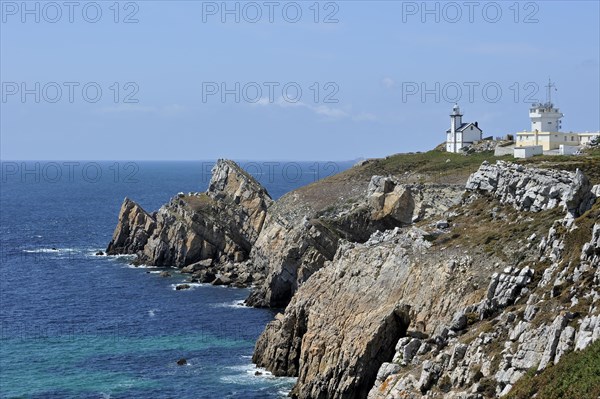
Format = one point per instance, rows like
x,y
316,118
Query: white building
x,y
528,152
545,118
461,134
545,128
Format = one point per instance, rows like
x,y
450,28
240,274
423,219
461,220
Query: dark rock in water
x,y
165,274
257,373
54,249
181,362
182,287
99,253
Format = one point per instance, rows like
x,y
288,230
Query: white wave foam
x,y
192,286
152,312
118,256
238,304
251,374
51,250
142,266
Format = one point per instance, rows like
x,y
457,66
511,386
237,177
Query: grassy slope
x,y
576,376
435,166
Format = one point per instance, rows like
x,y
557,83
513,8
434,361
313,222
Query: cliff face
x,y
346,319
421,311
292,247
524,323
530,316
133,229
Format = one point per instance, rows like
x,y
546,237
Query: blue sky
x,y
357,76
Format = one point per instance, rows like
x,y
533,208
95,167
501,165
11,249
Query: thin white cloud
x,y
329,111
262,101
323,110
388,82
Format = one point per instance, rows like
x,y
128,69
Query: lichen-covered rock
x,y
504,345
533,189
388,198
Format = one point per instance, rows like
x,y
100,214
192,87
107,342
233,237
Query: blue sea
x,y
77,325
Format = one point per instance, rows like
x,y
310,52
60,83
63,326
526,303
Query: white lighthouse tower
x,y
455,123
461,134
545,117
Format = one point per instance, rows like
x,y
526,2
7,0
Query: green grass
x,y
589,163
432,162
576,376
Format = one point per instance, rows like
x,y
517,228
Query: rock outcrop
x,y
133,229
289,255
220,225
291,249
401,204
533,189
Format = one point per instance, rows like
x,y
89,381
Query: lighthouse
x,y
461,134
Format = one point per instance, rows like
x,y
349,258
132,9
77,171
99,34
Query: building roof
x,y
464,126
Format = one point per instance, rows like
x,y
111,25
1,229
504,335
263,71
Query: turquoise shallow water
x,y
76,325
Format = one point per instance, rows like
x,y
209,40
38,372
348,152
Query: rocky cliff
x,y
447,309
397,284
294,245
200,230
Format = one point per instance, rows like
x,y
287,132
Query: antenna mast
x,y
549,92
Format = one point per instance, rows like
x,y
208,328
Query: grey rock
x,y
533,189
553,339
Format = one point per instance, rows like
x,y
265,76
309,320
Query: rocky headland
x,y
426,275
